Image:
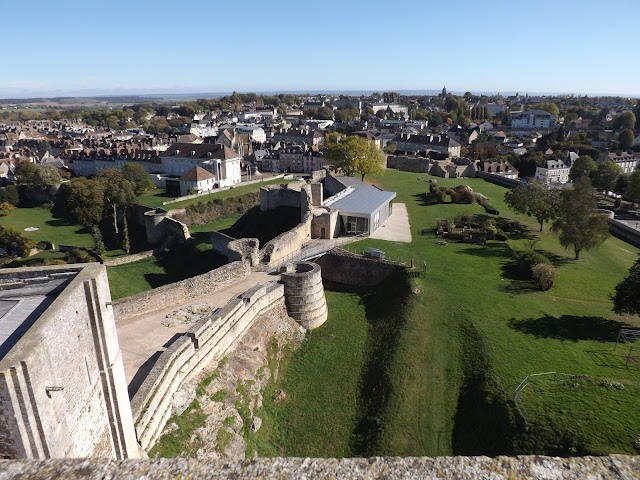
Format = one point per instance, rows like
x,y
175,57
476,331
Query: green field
x,y
60,231
468,339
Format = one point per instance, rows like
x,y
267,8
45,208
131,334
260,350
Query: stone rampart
x,y
409,164
624,232
205,342
304,293
112,262
610,467
126,308
346,268
498,179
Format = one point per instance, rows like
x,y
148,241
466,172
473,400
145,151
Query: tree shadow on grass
x,y
424,200
569,327
556,260
491,249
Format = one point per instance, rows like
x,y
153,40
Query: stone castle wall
x,y
304,293
205,342
346,268
63,391
126,308
409,164
284,195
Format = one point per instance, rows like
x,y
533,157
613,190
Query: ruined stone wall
x,y
63,391
498,180
125,309
325,223
409,164
347,268
284,195
240,249
288,244
205,342
112,262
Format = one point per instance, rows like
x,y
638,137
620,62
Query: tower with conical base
x,y
304,293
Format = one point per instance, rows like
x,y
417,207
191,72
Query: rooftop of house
x,y
196,174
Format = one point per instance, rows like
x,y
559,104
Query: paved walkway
x,y
143,340
396,227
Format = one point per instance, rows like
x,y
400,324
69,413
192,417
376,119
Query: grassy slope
x,y
466,295
469,338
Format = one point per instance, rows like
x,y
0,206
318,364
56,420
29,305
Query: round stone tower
x,y
304,293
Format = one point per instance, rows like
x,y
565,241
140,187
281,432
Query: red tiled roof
x,y
197,174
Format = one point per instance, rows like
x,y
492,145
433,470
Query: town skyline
x,y
78,49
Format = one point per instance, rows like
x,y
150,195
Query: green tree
x,y
137,175
627,120
45,176
621,184
606,176
534,200
579,225
626,298
584,166
626,139
549,107
633,188
126,245
24,173
356,155
98,244
119,193
10,194
85,200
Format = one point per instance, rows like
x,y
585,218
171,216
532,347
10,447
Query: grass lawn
x,y
55,230
467,340
154,198
183,261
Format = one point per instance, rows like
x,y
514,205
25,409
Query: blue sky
x,y
85,47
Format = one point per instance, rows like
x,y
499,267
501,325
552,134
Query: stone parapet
x,y
207,341
612,467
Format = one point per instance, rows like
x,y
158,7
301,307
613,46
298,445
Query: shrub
x,y
54,261
77,255
439,195
543,275
465,196
617,203
527,260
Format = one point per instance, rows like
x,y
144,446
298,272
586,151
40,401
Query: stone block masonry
x,y
304,293
346,268
207,341
126,308
63,391
611,467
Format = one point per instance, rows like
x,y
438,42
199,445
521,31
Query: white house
x,y
533,119
553,171
220,160
197,179
255,132
625,160
394,108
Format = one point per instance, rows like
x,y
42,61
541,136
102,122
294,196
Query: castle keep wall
x,y
63,391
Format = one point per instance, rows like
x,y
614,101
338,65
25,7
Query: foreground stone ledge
x,y
525,467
